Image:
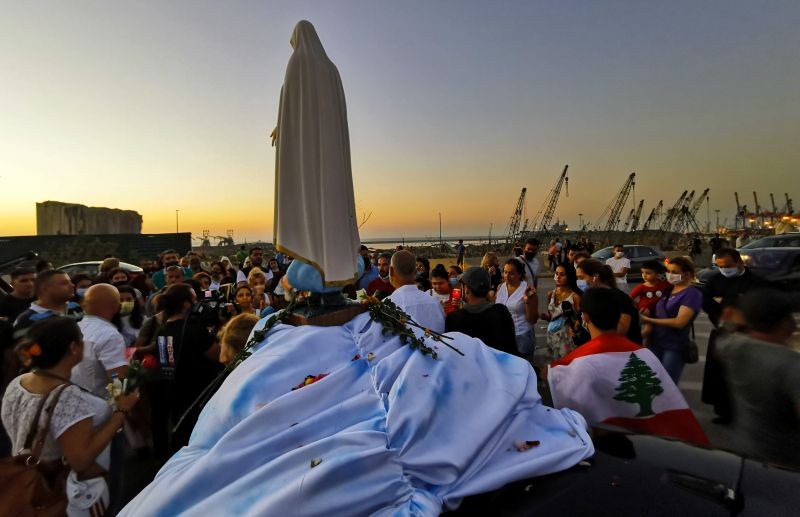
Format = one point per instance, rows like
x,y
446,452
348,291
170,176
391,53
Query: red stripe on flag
x,y
600,344
676,423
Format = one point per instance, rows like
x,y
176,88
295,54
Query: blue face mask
x,y
582,284
453,282
80,292
730,272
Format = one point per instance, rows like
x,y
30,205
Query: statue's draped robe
x,y
394,432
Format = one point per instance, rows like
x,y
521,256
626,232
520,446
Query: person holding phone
x,y
521,300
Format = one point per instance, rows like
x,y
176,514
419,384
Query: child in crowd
x,y
442,288
650,291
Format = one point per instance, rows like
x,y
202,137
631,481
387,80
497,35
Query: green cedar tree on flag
x,y
639,385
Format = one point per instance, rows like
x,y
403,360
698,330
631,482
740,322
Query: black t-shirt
x,y
627,307
11,307
181,354
492,324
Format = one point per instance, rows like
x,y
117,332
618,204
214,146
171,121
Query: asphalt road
x,y
691,382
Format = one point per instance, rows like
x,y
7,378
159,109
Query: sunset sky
x,y
453,107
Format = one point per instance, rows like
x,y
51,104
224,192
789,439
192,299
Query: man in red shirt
x,y
381,287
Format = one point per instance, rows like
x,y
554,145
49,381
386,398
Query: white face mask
x,y
730,272
582,284
674,278
619,255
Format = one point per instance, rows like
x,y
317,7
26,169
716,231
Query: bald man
x,y
422,307
103,345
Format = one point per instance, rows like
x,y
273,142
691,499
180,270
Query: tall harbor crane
x,y
637,216
628,220
759,211
541,222
654,213
672,213
614,209
516,218
688,216
789,210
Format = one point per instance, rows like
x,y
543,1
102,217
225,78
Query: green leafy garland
x,y
396,322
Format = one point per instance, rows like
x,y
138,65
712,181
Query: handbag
x,y
690,352
29,486
556,324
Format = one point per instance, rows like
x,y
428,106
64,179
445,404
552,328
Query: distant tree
x,y
639,384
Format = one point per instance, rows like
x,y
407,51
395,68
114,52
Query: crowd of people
x,y
187,317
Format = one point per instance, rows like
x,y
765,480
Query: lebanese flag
x,y
614,381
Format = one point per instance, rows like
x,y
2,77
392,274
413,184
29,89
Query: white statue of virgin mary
x,y
315,219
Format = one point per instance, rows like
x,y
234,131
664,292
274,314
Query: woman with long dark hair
x,y
559,340
131,315
521,301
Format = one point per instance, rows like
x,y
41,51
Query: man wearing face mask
x,y
723,289
620,265
530,261
381,287
370,270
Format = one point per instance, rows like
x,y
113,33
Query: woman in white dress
x,y
82,425
522,303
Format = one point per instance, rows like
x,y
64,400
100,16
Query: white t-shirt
x,y
516,306
103,350
425,310
241,277
443,298
531,269
617,265
20,405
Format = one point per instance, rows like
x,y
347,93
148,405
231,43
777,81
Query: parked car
x,y
775,258
92,267
635,474
636,253
784,240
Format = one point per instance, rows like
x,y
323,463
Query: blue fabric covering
x,y
401,434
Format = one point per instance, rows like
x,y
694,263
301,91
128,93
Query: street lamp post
x,y
580,216
176,221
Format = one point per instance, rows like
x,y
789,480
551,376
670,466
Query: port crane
x,y
516,218
541,222
688,217
614,209
672,213
654,213
637,216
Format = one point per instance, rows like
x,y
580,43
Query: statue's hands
x,y
274,136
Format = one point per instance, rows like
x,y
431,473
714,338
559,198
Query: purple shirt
x,y
669,338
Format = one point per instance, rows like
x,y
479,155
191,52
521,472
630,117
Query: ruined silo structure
x,y
56,218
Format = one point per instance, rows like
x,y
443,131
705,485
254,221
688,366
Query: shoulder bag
x,y
29,486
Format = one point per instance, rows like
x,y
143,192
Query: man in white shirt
x,y
423,308
530,261
103,345
256,261
620,265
